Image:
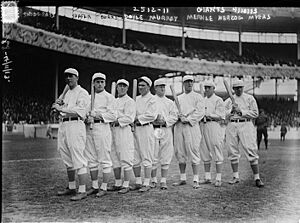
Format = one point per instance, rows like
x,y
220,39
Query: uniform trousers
x,y
245,134
187,143
71,141
98,145
122,151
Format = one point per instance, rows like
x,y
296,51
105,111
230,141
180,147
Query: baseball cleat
x,y
196,185
92,191
234,181
259,183
79,197
136,187
66,192
101,193
218,183
153,185
114,188
144,189
124,190
182,182
205,181
163,186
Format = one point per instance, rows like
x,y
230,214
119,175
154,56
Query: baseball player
x,y
98,143
212,142
122,153
240,129
166,118
72,134
262,128
187,135
144,134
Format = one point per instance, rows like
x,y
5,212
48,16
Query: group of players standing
x,y
123,134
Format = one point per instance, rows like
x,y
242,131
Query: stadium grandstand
x,y
259,45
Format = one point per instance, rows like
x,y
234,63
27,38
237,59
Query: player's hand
x,y
59,101
57,107
90,119
92,114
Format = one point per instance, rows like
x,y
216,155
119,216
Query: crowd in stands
x,y
25,109
151,43
280,111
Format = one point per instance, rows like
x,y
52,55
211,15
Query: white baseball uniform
x,y
212,142
98,143
122,152
187,137
144,133
240,129
164,148
71,136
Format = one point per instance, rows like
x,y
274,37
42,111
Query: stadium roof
x,y
250,19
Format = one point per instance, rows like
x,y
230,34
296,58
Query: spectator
x,y
283,131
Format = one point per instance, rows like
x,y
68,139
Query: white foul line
x,y
28,160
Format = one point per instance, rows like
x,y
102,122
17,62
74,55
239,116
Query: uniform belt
x,y
159,126
114,124
207,120
71,119
98,121
241,120
139,124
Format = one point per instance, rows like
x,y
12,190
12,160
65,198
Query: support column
x,y
183,31
123,29
240,40
298,94
57,17
276,88
56,79
298,45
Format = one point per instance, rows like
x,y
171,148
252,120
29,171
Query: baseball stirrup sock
x,y
163,180
207,175
256,176
183,176
95,184
146,182
72,185
138,180
218,177
126,184
82,189
118,183
103,186
196,178
236,174
154,179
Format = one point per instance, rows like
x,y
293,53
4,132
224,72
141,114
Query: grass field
x,y
32,172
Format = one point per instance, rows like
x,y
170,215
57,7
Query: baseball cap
x,y
71,71
209,84
146,79
99,75
160,81
238,83
123,81
187,77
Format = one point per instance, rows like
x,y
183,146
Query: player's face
x,y
238,90
122,89
143,88
160,90
188,86
99,85
71,80
209,91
